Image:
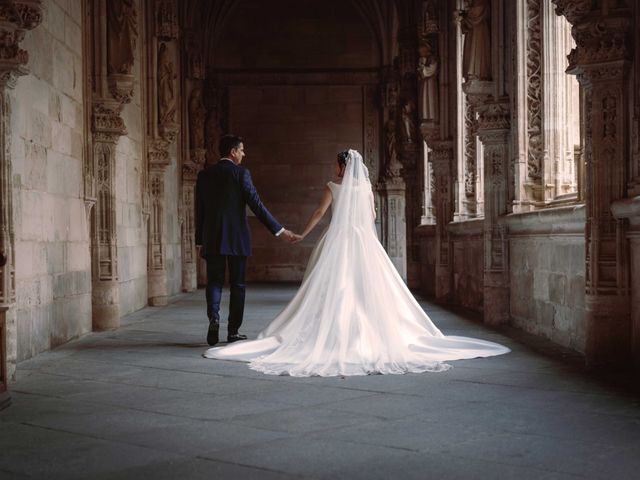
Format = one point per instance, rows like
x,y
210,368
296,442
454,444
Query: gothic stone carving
x,y
534,90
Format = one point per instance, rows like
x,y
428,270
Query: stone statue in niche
x,y
393,165
407,122
166,87
197,114
123,32
428,74
475,23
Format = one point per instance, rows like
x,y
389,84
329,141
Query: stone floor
x,y
142,403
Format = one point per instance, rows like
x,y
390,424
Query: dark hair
x,y
228,143
342,158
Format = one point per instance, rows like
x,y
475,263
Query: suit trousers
x,y
216,265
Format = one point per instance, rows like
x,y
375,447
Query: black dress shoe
x,y
235,337
212,334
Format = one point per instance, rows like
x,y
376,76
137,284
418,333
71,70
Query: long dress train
x,y
353,313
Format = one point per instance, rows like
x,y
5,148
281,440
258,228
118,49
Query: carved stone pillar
x,y
112,37
393,192
157,274
192,159
162,131
629,209
441,157
601,61
107,127
16,17
493,130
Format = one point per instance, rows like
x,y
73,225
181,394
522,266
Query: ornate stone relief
x,y
535,152
167,97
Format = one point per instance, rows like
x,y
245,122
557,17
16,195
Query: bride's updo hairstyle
x,y
342,161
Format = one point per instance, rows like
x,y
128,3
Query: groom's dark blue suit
x,y
223,192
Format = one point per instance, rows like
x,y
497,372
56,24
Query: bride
x,y
353,314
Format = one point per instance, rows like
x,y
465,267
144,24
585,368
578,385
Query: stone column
x,y
601,60
162,131
112,38
107,127
394,191
391,185
441,156
16,17
193,159
629,209
5,398
493,130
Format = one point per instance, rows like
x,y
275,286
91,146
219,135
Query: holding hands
x,y
290,237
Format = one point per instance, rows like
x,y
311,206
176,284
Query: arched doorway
x,y
299,82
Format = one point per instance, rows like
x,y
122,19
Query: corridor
x,y
141,402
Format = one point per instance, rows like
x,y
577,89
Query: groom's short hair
x,y
228,143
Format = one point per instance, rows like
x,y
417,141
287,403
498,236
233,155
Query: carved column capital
x,y
158,154
15,19
494,121
107,125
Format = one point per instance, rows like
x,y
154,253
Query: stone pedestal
x,y
441,159
394,191
5,398
105,305
493,130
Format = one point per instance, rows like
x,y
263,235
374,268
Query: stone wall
x,y
547,274
292,135
467,264
53,266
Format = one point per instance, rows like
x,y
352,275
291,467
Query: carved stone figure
x,y
476,60
393,165
123,33
166,87
197,114
407,122
428,74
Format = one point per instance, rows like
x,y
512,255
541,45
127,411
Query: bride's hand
x,y
297,238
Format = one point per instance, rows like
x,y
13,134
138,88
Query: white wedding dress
x,y
353,313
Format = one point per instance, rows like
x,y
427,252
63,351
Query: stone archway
x,y
299,85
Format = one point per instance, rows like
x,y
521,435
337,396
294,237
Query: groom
x,y
223,191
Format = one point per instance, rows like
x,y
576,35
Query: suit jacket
x,y
223,191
